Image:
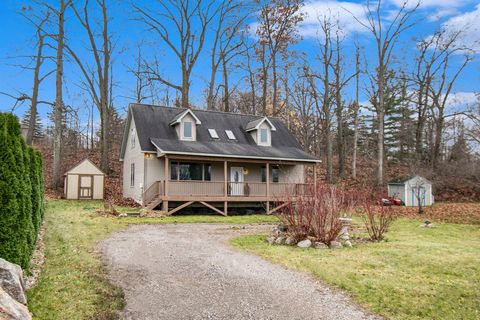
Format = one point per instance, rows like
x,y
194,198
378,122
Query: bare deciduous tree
x,y
386,34
278,21
182,26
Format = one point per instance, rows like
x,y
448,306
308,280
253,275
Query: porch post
x,y
315,177
268,186
166,178
225,184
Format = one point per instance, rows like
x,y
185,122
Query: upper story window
x,y
187,131
213,133
261,131
230,135
185,124
132,138
263,137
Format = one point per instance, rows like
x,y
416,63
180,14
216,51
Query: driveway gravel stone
x,y
188,271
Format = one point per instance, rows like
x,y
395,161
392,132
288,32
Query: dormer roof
x,y
178,118
255,124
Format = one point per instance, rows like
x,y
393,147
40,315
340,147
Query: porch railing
x,y
152,191
217,189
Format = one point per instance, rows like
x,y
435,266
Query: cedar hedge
x,y
21,193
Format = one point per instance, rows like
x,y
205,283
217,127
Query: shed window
x,y
190,171
187,130
213,133
230,135
132,175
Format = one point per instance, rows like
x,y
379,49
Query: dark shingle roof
x,y
153,130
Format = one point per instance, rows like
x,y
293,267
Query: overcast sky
x,y
17,40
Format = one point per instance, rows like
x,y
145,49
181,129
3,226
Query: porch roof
x,y
230,150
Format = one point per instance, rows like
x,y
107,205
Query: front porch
x,y
226,181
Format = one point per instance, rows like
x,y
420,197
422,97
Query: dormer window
x,y
185,124
187,130
263,136
261,131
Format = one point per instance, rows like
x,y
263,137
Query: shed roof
x,y
84,166
155,134
405,179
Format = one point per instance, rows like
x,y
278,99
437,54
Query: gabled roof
x,y
405,179
85,166
178,118
155,134
255,124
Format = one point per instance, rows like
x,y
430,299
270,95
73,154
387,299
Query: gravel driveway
x,y
189,272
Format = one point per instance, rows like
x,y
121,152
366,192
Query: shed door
x,y
85,187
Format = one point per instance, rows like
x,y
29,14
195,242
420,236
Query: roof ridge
x,y
205,110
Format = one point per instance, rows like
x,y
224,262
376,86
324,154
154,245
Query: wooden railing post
x,y
225,173
166,178
268,187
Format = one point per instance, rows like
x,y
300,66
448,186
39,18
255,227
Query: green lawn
x,y
73,284
417,273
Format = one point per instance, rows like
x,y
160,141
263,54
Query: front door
x,y
236,181
85,187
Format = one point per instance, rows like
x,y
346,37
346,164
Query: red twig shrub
x,y
377,218
316,213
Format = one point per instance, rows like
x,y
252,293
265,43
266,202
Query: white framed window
x,y
213,133
263,138
187,130
132,175
230,135
132,138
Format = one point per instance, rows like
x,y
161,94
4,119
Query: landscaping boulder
x,y
10,309
279,229
320,245
290,241
304,244
271,240
11,280
347,244
335,245
280,240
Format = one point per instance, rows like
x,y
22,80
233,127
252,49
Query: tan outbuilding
x,y
84,181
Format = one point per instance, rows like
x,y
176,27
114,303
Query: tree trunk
x,y
355,116
58,107
265,82
381,133
275,86
226,97
32,122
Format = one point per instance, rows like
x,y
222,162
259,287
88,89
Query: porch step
x,y
154,203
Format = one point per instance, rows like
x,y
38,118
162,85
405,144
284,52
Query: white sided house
x,y
177,157
413,191
84,181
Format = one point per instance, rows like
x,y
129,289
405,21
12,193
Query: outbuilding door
x,y
85,187
419,195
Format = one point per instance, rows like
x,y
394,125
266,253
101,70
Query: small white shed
x,y
412,191
84,181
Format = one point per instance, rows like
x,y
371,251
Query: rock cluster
x,y
280,236
13,302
